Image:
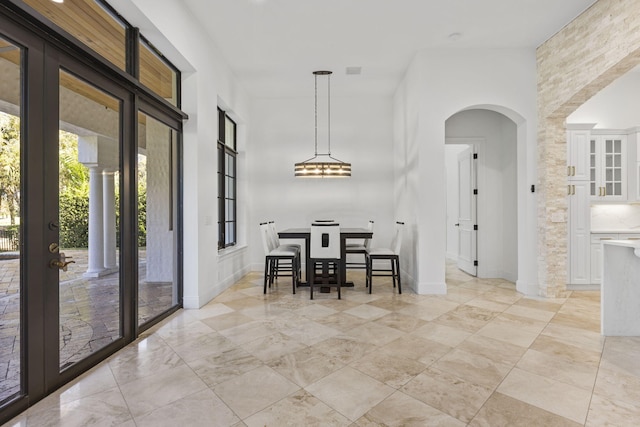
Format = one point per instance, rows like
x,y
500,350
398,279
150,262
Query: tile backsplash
x,y
615,217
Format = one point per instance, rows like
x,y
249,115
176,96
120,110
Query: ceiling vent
x,y
354,70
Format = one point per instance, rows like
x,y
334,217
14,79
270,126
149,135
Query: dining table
x,y
346,233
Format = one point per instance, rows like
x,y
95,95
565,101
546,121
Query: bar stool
x,y
273,258
391,254
325,253
359,248
275,243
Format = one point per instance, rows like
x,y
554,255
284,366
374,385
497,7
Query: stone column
x,y
109,209
95,266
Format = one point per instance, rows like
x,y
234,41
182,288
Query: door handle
x,y
457,225
61,263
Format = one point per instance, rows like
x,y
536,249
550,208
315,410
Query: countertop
x,y
616,231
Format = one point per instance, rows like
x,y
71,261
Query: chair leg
x,y
370,273
312,277
266,273
393,272
294,274
339,276
398,270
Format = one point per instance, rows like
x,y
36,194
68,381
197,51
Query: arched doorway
x,y
487,192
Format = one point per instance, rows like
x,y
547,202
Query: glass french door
x,y
89,215
63,298
84,254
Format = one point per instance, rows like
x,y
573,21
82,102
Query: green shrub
x,y
74,220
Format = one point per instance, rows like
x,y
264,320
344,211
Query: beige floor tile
x,y
559,368
380,359
350,392
617,383
375,333
201,409
249,331
581,338
315,311
492,349
245,394
211,310
391,304
146,357
225,365
547,304
447,393
472,368
613,413
401,322
309,332
150,393
346,348
367,311
416,348
443,334
588,321
509,331
467,318
391,369
273,346
306,366
226,321
400,409
341,321
531,313
556,347
203,346
501,410
553,396
624,353
101,409
488,304
299,409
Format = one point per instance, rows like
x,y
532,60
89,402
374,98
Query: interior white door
x,y
467,233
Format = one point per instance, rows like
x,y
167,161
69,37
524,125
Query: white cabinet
x,y
579,233
578,149
596,251
608,167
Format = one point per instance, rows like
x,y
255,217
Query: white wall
x,y
446,82
282,133
206,82
496,171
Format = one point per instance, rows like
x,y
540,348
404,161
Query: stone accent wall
x,y
588,54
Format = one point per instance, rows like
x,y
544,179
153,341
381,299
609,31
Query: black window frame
x,y
227,149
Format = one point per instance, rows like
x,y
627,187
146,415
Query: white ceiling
x,y
273,46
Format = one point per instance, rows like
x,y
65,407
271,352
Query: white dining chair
x,y
273,265
391,254
359,248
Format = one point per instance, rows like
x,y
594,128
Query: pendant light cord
x,y
316,113
329,114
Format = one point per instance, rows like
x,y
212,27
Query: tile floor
x,y
483,355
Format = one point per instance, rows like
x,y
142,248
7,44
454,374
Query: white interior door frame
x,y
468,228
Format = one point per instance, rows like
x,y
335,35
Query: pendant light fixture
x,y
323,165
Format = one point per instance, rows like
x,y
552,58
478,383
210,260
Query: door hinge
x,y
475,227
475,263
475,155
475,191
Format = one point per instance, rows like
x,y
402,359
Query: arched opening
x,y
482,202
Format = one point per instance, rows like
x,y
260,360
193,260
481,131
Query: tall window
x,y
227,229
